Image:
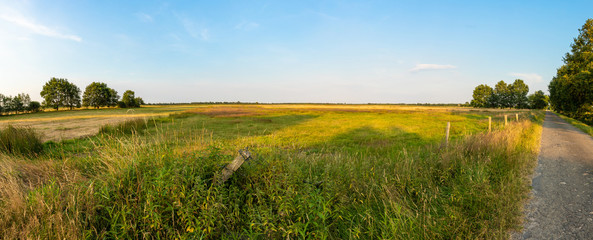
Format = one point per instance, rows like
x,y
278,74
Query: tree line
x,y
18,104
60,93
505,95
571,90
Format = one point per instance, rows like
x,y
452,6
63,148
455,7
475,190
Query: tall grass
x,y
20,140
126,127
365,180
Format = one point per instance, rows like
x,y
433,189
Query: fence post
x,y
505,120
489,124
517,116
447,134
230,168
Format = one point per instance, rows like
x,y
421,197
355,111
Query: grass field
x,y
319,172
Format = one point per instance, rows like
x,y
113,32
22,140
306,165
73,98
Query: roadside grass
x,y
317,174
578,124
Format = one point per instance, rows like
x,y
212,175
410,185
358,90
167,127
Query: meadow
x,y
318,172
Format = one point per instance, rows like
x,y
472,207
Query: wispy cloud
x,y
246,26
37,28
194,30
529,77
423,67
144,17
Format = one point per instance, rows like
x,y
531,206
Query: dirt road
x,y
562,197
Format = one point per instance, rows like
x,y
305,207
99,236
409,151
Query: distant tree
x,y
113,98
71,96
34,106
571,90
538,100
129,99
481,95
52,93
139,101
58,92
97,95
501,97
1,103
518,94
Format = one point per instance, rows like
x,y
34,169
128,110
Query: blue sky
x,y
286,51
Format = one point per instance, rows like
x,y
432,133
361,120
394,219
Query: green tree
x,y
481,95
71,96
113,98
571,90
34,106
2,103
52,93
97,95
129,99
518,94
538,100
58,92
501,96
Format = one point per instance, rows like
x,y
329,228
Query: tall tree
x,y
97,94
538,100
71,96
58,92
129,99
571,90
501,96
518,94
52,93
481,95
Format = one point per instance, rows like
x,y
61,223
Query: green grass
x,y
20,140
321,174
578,124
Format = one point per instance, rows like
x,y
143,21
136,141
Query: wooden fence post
x,y
447,134
230,168
489,124
505,120
517,116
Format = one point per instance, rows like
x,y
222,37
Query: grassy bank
x,y
317,173
578,124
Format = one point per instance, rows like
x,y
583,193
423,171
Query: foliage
x,y
97,95
481,95
571,90
538,100
20,140
58,92
17,104
130,100
502,96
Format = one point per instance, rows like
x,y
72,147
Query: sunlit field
x,y
318,171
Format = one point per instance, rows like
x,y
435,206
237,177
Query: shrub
x,y
23,140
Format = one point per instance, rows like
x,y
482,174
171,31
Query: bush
x,y
34,106
21,140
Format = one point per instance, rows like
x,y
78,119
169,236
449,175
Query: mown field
x,y
318,172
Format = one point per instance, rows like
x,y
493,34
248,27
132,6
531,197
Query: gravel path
x,y
562,197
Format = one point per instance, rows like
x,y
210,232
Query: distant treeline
x,y
60,93
508,96
18,104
